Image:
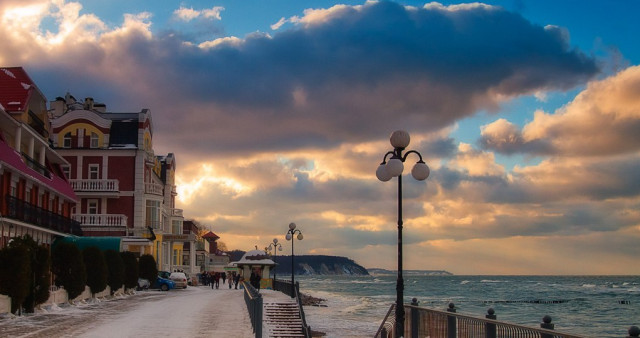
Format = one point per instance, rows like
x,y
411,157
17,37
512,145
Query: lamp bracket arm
x,y
404,158
384,159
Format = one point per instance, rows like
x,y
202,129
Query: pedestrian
x,y
236,280
210,279
224,277
230,281
217,280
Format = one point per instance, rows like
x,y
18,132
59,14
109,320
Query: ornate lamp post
x,y
387,170
276,246
292,231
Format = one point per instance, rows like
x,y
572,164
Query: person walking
x,y
210,280
236,280
224,277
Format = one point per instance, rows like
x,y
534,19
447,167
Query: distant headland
x,y
379,272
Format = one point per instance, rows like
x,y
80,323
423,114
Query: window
x,y
67,171
66,140
92,207
175,257
176,227
153,214
94,140
94,171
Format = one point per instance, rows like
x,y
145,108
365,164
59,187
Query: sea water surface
x,y
590,306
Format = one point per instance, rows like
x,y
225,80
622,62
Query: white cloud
x,y
188,14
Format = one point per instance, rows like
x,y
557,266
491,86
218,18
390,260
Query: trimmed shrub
x,y
15,274
96,269
115,266
41,268
131,271
68,268
148,269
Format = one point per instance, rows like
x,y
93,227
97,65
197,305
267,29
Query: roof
x,y
255,257
10,157
210,235
16,88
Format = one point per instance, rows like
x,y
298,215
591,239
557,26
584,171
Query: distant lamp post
x,y
387,170
276,246
292,232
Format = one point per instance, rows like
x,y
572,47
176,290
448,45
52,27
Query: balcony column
x,y
31,147
18,139
192,256
43,150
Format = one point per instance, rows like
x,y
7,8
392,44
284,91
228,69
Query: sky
x,y
526,112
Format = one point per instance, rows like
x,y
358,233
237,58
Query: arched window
x,y
66,140
94,140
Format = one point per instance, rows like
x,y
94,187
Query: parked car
x,y
143,284
180,279
163,284
164,274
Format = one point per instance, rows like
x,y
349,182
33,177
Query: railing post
x,y
490,328
634,331
451,322
415,319
546,324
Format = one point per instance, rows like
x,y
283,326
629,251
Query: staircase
x,y
282,320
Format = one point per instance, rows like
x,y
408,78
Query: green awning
x,y
103,243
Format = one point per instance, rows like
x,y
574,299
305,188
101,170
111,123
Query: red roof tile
x,y
210,235
16,88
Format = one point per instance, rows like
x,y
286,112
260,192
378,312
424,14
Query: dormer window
x,y
66,140
94,140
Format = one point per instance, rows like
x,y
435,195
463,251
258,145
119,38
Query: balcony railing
x,y
35,165
29,213
153,188
111,185
101,220
176,212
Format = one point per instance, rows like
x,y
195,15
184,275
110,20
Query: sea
x,y
589,306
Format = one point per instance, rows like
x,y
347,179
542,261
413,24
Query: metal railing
x,y
33,214
108,185
253,300
35,165
423,322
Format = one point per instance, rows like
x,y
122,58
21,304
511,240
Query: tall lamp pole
x,y
276,246
387,170
292,232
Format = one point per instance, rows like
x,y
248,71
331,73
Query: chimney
x,y
88,103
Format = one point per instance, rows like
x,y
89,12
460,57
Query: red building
x,y
123,188
36,197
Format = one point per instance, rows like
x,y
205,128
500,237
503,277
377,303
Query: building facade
x,y
123,188
36,197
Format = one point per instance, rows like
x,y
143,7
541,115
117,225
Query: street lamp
x,y
292,231
276,246
387,170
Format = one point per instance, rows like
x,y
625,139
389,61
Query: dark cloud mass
x,y
354,76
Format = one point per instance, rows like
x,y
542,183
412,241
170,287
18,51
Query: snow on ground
x,y
193,312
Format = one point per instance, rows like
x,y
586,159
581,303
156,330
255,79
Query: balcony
x,y
29,213
153,188
176,212
111,185
101,220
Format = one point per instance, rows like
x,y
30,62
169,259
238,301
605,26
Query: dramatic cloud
x,y
344,73
602,120
290,126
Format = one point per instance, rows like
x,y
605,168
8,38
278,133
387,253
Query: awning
x,y
103,243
